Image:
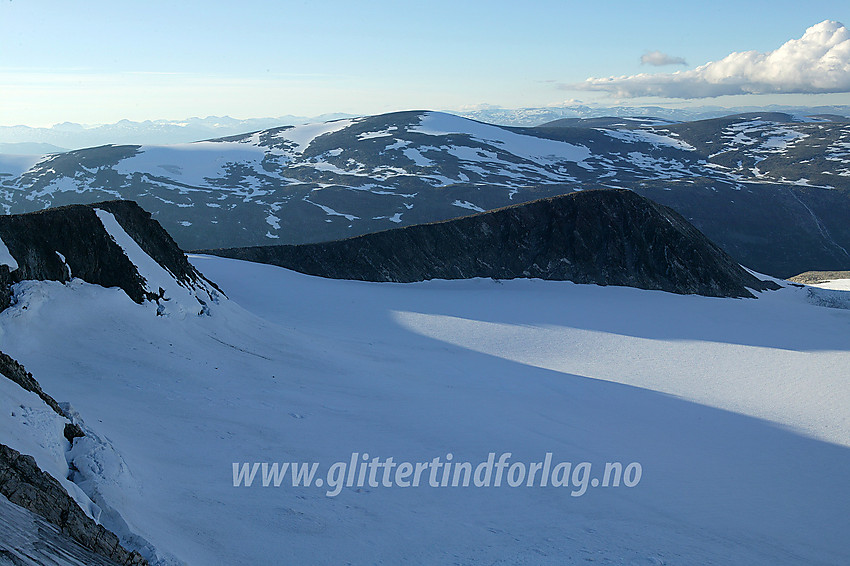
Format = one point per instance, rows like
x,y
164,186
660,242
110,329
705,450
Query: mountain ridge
x,y
95,243
607,237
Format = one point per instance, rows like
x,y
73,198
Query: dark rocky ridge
x,y
607,237
77,233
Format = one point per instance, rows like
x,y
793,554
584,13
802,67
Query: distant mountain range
x,y
772,189
26,140
69,135
528,117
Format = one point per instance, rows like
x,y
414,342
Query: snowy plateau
x,y
736,410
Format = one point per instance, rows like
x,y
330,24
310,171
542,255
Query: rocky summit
x,y
112,244
607,237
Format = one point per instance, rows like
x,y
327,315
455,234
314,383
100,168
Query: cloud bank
x,y
818,62
658,59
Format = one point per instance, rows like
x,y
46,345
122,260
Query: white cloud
x,y
819,62
658,59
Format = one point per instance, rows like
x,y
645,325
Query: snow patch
x,y
541,150
302,136
273,221
331,212
174,298
6,257
644,136
468,205
416,156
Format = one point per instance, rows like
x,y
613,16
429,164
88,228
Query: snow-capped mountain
x,y
770,190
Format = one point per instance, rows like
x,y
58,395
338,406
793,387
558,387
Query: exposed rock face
x,y
58,243
82,241
5,286
607,237
24,484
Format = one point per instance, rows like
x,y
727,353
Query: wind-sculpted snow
x,y
736,410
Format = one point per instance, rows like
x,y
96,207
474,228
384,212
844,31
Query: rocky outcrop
x,y
58,243
607,237
5,287
24,484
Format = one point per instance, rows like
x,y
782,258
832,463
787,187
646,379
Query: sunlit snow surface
x,y
6,257
736,409
840,284
535,149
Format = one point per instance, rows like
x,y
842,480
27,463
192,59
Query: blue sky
x,y
98,61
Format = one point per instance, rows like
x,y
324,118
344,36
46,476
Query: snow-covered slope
x,y
770,190
31,427
840,284
735,409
